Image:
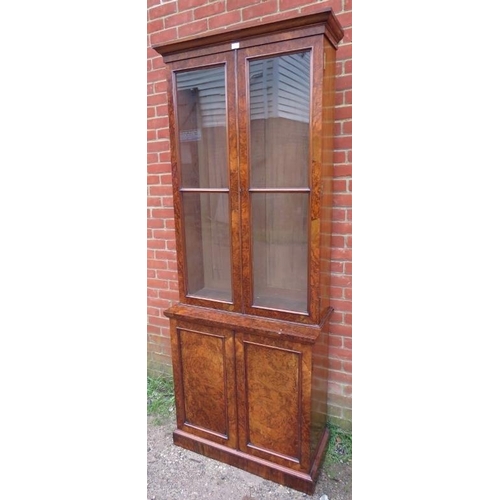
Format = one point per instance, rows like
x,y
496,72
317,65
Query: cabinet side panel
x,y
202,365
319,390
273,378
328,106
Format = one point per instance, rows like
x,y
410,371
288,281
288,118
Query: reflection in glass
x,y
279,250
202,139
279,180
201,105
279,121
207,236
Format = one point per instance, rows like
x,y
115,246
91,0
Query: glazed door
x,y
205,181
273,386
277,121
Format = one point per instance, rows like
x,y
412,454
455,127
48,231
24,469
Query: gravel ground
x,y
178,474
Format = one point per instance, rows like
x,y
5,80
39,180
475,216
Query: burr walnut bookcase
x,y
251,126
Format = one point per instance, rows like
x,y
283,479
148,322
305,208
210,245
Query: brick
x,y
160,321
155,224
347,127
210,10
156,25
344,52
262,9
157,283
177,20
153,311
167,275
343,142
337,241
291,4
338,214
224,20
160,190
341,305
164,36
163,213
342,228
339,186
341,254
343,82
342,170
160,86
157,146
189,4
162,110
165,254
238,4
156,168
342,280
161,303
347,35
336,5
193,28
155,99
342,200
154,201
153,329
339,376
163,10
342,330
343,113
157,264
280,16
157,244
345,19
153,179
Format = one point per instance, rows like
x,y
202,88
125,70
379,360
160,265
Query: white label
x,y
235,45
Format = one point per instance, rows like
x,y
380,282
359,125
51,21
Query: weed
x,y
161,399
339,446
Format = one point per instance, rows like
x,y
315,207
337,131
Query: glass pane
x,y
279,250
279,121
208,255
201,118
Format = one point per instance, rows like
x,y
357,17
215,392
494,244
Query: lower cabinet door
x,y
203,361
273,385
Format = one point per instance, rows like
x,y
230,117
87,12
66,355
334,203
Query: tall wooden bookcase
x,y
251,125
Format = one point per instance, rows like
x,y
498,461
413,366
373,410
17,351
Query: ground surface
x,y
178,474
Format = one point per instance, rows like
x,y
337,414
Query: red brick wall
x,y
170,20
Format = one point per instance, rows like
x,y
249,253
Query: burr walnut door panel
x,y
207,405
271,382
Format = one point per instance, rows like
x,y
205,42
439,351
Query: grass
x,y
161,399
339,446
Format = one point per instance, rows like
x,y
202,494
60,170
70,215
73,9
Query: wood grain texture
x,y
273,385
272,328
206,381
